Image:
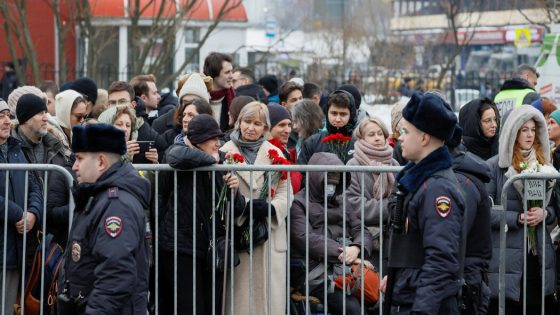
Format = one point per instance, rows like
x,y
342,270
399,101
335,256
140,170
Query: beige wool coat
x,y
268,282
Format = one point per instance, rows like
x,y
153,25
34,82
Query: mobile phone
x,y
145,146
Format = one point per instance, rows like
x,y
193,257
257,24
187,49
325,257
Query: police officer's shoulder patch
x,y
113,226
443,206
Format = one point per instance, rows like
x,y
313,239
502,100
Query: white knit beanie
x,y
195,86
3,105
17,93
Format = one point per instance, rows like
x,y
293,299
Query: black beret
x,y
203,127
98,138
431,114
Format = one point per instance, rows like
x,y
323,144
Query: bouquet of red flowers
x,y
338,144
231,158
276,159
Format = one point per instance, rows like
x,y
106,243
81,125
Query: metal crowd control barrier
x,y
534,189
9,170
344,170
360,171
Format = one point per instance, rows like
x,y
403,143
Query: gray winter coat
x,y
514,240
316,220
372,209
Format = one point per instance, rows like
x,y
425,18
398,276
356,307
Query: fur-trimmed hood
x,y
513,123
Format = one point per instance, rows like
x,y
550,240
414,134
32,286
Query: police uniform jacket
x,y
106,260
435,211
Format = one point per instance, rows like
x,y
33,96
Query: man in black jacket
x,y
105,269
20,220
39,146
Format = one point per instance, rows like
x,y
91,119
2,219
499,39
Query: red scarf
x,y
229,94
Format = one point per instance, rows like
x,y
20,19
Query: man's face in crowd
x,y
224,80
37,124
4,126
120,98
411,141
87,167
239,80
153,97
282,130
294,97
531,77
338,116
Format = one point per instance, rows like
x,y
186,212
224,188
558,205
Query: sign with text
x,y
534,189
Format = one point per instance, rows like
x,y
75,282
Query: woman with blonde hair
x,y
371,148
124,118
268,258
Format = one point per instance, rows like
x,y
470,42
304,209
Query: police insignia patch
x,y
113,226
76,251
443,206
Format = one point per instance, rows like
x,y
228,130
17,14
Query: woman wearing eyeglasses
x,y
70,111
480,121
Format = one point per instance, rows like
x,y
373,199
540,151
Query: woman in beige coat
x,y
266,293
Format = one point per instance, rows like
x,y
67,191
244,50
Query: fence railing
x,y
12,170
535,188
224,294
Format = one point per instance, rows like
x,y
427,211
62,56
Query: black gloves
x,y
260,209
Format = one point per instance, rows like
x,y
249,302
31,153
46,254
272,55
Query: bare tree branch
x,y
224,10
545,25
7,17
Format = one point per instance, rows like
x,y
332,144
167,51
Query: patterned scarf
x,y
366,154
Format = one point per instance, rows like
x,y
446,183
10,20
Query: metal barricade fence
x,y
10,172
256,306
230,291
535,187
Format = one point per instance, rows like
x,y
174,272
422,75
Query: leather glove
x,y
260,209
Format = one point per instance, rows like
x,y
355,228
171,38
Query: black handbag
x,y
220,262
243,235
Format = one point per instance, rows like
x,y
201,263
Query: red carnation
x,y
338,144
238,158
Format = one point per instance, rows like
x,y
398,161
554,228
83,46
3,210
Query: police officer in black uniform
x,y
427,215
105,269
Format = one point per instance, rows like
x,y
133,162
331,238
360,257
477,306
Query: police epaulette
x,y
113,192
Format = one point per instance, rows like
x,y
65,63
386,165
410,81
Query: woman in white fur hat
x,y
523,141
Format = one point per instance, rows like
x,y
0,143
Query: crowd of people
x,y
454,171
